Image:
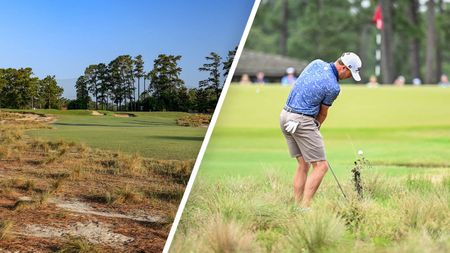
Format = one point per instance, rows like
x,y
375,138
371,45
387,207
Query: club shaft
x,y
337,181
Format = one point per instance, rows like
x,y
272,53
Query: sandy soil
x,y
96,113
61,189
124,115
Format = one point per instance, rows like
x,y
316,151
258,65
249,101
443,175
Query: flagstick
x,y
378,20
378,54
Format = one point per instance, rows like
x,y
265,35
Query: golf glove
x,y
291,126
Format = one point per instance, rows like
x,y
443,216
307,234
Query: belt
x,y
288,109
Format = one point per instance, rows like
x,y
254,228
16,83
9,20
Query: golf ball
x,y
360,152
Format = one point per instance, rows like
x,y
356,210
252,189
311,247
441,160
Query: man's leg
x,y
313,181
300,178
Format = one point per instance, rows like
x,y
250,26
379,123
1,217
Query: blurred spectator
x,y
260,78
290,77
372,82
400,81
416,81
444,81
245,79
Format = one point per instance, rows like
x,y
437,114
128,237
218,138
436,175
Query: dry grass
x,y
127,195
180,171
392,214
218,236
194,120
132,164
37,201
78,245
29,185
5,229
39,170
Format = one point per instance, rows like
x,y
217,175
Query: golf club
x,y
337,181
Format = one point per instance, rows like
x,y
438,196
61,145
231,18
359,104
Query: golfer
x,y
305,111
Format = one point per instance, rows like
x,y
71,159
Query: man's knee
x,y
302,163
321,165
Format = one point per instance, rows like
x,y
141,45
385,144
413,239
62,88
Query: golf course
x,y
93,181
242,198
149,134
409,127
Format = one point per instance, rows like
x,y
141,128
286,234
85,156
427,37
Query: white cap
x,y
352,62
290,70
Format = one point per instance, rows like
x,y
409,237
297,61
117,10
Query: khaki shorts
x,y
307,140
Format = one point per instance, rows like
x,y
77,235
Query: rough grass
x,y
78,245
404,206
5,229
40,173
263,211
194,120
405,131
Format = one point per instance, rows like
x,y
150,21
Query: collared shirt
x,y
316,85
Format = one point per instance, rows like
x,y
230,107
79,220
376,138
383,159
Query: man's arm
x,y
322,113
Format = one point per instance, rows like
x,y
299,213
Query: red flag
x,y
378,18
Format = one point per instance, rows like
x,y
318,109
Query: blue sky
x,y
61,38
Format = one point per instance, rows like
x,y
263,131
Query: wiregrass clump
x,y
5,229
179,171
78,245
218,236
36,201
121,164
392,211
194,120
317,231
126,195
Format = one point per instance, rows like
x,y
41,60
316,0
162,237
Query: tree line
x,y
415,35
20,89
123,84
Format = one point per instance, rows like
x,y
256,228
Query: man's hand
x,y
291,126
323,112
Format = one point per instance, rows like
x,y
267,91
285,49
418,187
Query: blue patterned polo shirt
x,y
316,85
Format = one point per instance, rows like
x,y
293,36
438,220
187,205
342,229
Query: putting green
x,y
151,134
401,130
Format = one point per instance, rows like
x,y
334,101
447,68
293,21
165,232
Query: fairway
x,y
150,134
401,130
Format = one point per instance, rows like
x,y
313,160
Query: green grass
x,y
242,199
396,215
150,134
391,125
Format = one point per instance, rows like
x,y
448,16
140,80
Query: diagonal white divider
x,y
211,127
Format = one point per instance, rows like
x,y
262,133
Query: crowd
x,y
400,81
290,77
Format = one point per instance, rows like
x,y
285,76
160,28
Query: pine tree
x,y
103,86
228,62
50,92
138,73
212,84
83,98
165,82
91,75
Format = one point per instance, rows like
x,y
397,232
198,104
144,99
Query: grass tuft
x,y
316,231
5,229
78,245
228,237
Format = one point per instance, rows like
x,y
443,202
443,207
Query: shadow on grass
x,y
127,125
179,138
412,164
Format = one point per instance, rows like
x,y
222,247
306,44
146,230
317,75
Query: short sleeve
x,y
330,97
